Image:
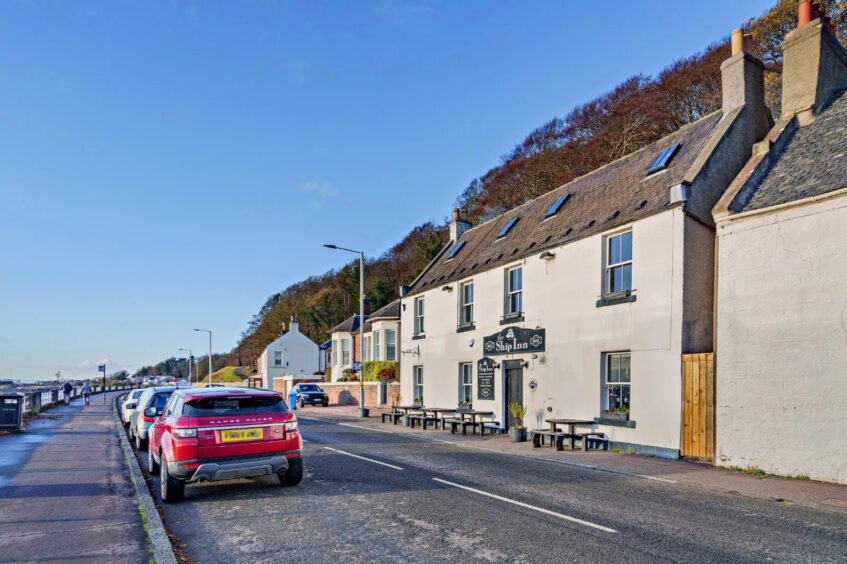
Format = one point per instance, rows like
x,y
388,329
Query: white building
x,y
782,278
583,300
292,354
382,334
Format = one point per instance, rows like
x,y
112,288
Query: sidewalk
x,y
821,495
65,492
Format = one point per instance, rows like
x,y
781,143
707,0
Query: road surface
x,y
372,496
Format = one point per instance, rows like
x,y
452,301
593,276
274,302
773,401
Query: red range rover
x,y
207,434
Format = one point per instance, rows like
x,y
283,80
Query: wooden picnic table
x,y
436,411
464,414
407,408
572,424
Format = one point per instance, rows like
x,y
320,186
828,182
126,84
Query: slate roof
x,y
813,162
351,324
613,195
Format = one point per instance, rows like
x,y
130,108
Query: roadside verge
x,y
163,552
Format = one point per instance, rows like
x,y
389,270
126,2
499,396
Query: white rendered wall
x,y
560,295
782,341
299,357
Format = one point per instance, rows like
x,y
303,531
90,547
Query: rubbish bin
x,y
11,411
292,399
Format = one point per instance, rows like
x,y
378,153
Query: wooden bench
x,y
419,419
393,416
557,438
455,424
493,426
593,437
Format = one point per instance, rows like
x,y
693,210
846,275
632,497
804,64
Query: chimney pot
x,y
737,41
804,13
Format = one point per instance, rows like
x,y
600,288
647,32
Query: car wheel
x,y
294,474
151,463
300,403
130,433
171,489
325,404
140,444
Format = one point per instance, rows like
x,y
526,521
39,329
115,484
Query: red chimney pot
x,y
804,13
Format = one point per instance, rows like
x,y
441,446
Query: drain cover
x,y
836,502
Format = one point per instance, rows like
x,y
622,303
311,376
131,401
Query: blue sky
x,y
167,165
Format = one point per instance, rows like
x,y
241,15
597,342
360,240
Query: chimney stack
x,y
294,325
457,225
814,63
743,81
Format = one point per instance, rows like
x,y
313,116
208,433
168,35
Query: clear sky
x,y
166,165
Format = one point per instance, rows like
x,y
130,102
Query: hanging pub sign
x,y
514,340
485,379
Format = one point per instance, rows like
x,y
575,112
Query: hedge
x,y
373,367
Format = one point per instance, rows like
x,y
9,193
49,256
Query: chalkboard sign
x,y
485,379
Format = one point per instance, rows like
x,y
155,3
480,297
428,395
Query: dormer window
x,y
506,228
663,159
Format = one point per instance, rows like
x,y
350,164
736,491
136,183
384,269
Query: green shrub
x,y
372,368
328,376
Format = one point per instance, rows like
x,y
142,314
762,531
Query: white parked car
x,y
129,405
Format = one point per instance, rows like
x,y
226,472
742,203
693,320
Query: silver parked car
x,y
138,422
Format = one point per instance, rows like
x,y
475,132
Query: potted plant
x,y
517,432
620,413
466,405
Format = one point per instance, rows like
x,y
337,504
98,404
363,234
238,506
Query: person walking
x,y
86,392
68,390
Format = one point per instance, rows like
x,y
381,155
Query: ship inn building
x,y
582,302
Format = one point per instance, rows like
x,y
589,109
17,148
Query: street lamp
x,y
362,411
210,351
190,362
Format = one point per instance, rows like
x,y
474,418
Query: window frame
x,y
420,315
366,348
392,347
465,306
608,383
345,352
417,382
509,292
465,387
377,346
609,267
277,358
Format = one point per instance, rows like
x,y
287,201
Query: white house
x,y
382,334
292,354
344,350
581,302
782,277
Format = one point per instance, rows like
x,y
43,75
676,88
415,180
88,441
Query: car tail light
x,y
190,465
147,419
185,433
291,426
291,455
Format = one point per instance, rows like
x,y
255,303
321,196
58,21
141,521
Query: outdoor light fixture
x,y
547,255
447,288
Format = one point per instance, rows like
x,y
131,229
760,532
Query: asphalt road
x,y
423,501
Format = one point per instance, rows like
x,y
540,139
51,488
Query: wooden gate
x,y
698,406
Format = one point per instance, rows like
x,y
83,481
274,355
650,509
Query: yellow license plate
x,y
236,435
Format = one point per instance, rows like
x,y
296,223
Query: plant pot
x,y
364,412
615,415
517,435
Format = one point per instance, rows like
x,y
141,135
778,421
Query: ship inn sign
x,y
514,340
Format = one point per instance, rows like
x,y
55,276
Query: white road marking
x,y
362,458
528,506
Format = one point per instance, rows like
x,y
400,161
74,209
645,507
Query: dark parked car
x,y
310,394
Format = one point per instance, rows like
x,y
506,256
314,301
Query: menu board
x,y
485,379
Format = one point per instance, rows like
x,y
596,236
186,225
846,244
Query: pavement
x,y
65,491
378,493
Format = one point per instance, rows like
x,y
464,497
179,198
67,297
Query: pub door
x,y
514,386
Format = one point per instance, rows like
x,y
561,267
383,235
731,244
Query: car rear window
x,y
159,400
238,405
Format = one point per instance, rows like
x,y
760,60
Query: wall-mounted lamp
x,y
447,288
547,255
496,365
526,364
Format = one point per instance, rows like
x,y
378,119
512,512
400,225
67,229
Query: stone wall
x,y
347,393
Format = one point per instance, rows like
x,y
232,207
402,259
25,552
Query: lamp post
x,y
210,351
362,410
190,362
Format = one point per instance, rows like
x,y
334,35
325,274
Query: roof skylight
x,y
555,206
506,228
455,250
664,158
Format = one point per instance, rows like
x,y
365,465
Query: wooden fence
x,y
698,406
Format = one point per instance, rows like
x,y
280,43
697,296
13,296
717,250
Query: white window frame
x,y
607,377
610,267
377,346
420,311
277,358
466,308
391,345
334,348
366,349
417,383
345,352
510,292
465,382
